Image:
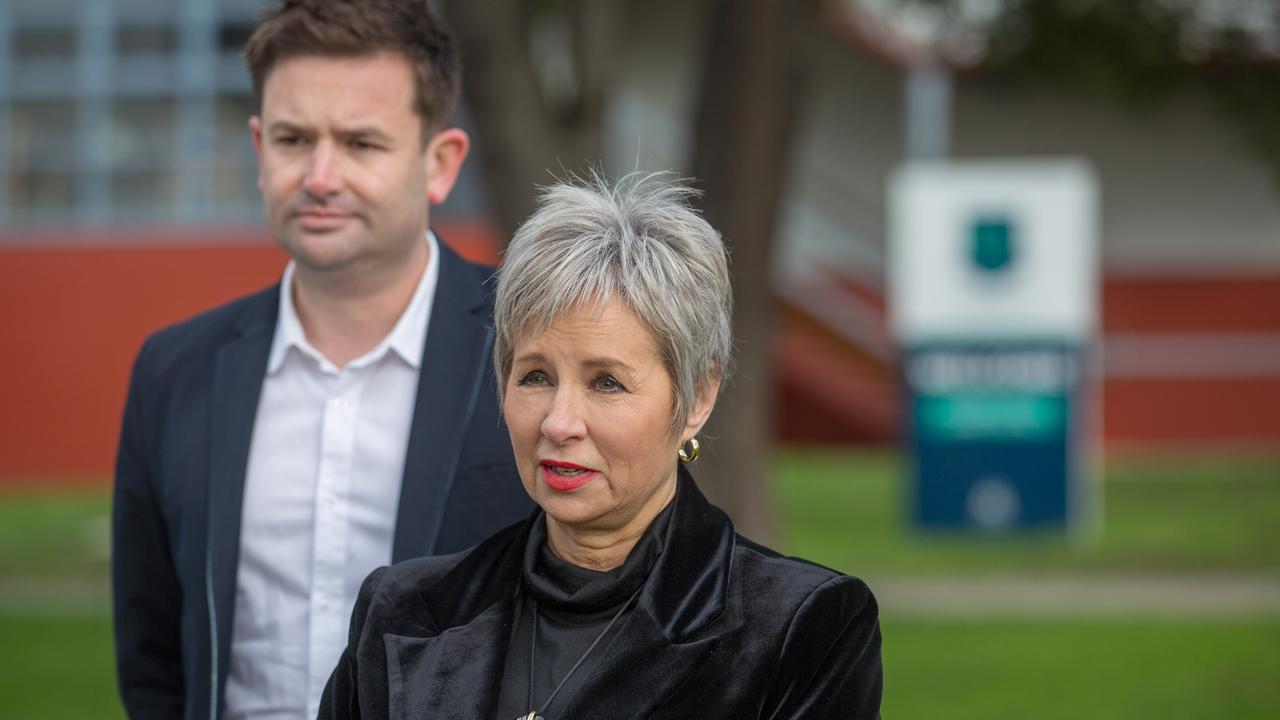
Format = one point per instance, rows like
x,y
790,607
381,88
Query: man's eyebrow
x,y
368,132
285,126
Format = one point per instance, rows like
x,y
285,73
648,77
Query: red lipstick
x,y
565,476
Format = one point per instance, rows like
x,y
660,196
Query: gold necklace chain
x,y
533,645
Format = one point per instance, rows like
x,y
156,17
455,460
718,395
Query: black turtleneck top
x,y
573,606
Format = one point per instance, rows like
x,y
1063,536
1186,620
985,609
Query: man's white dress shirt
x,y
320,500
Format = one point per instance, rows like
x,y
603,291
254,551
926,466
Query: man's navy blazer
x,y
180,472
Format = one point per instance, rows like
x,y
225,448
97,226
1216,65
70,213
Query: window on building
x,y
129,111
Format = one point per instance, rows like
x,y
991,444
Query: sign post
x,y
993,300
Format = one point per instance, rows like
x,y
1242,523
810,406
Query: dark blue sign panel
x,y
994,429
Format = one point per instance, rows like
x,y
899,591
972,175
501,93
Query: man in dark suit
x,y
277,449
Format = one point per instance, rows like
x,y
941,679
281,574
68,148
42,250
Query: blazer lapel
x,y
238,372
453,366
455,674
640,671
454,669
678,621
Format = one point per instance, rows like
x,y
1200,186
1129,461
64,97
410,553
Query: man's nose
x,y
323,179
564,420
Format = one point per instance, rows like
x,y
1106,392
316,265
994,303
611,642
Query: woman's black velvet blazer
x,y
723,628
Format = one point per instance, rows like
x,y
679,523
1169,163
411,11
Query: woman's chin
x,y
572,513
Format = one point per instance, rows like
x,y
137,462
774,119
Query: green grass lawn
x,y
57,667
54,534
1208,514
845,509
988,670
1101,670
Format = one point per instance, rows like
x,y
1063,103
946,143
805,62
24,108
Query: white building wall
x,y
649,123
849,137
1182,188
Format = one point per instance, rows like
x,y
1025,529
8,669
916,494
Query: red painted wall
x,y
827,392
74,312
1238,303
73,315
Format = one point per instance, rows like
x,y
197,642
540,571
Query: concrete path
x,y
1021,596
993,596
55,596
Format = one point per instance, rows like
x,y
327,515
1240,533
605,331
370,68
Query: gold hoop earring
x,y
694,451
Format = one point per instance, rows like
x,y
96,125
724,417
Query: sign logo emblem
x,y
992,244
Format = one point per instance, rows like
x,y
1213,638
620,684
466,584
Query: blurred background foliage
x,y
1140,53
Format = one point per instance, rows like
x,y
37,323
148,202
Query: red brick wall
x,y
73,314
1211,376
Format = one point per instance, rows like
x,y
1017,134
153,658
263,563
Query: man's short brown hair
x,y
350,28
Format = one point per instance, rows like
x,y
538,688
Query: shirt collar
x,y
409,335
407,338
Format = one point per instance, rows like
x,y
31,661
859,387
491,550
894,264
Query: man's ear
x,y
444,156
703,404
255,133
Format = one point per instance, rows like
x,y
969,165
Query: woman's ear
x,y
704,402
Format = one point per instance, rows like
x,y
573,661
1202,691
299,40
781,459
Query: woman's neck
x,y
602,550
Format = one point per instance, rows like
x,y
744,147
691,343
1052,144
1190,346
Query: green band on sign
x,y
991,415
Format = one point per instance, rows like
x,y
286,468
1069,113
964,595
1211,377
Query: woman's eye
x,y
535,378
608,383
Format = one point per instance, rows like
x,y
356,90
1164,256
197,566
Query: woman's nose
x,y
564,421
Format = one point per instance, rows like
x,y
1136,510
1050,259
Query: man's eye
x,y
289,140
535,378
362,145
607,383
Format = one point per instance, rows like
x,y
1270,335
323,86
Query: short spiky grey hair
x,y
637,240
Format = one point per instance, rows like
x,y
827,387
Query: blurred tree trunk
x,y
750,92
527,135
747,100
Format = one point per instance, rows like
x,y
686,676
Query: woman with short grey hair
x,y
639,241
626,594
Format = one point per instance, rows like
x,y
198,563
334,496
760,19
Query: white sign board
x,y
994,250
993,299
